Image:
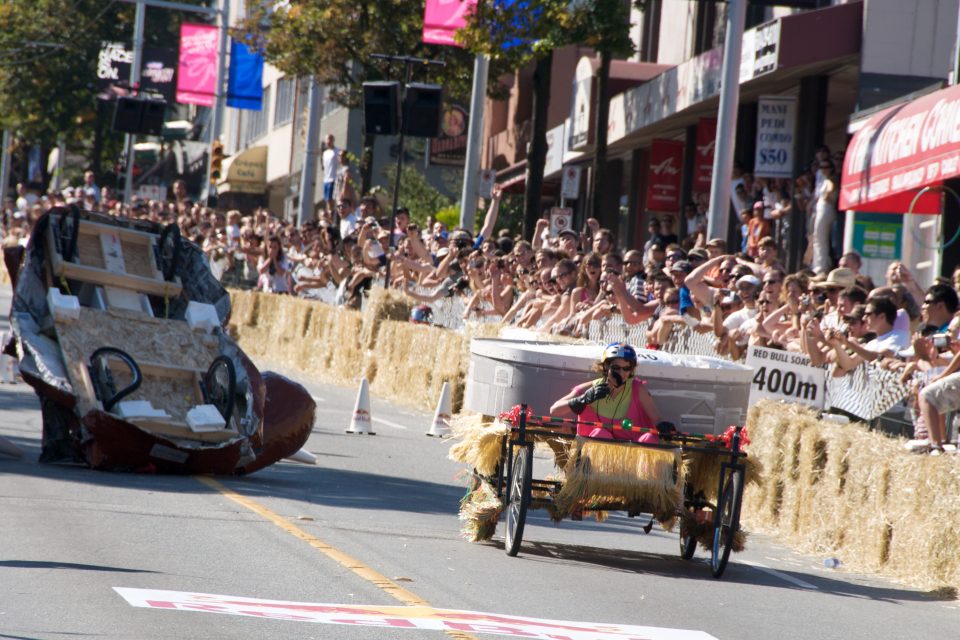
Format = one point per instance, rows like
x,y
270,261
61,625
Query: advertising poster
x,y
663,176
703,163
197,68
776,137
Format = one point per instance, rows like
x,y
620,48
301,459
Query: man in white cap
x,y
729,332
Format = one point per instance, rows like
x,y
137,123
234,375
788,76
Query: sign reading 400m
x,y
785,375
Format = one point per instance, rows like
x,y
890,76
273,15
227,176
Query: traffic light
x,y
216,161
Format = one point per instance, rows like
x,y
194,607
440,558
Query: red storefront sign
x,y
703,161
663,175
901,150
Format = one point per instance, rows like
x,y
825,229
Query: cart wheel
x,y
518,497
220,386
168,251
727,523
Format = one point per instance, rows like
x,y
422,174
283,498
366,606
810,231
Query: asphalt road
x,y
374,523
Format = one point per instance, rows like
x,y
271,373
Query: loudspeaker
x,y
151,122
381,108
127,114
422,110
134,115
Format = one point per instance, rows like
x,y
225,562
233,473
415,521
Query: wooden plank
x,y
96,228
121,280
180,430
149,368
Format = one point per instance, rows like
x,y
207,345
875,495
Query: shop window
x,y
650,36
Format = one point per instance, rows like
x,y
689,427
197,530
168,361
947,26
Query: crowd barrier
x,y
833,490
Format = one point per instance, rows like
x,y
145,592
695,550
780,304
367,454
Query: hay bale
x,y
383,304
847,492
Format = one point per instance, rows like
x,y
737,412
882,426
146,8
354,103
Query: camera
x,y
940,340
821,298
462,243
805,300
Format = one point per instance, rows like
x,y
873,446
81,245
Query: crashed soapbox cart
x,y
119,329
692,478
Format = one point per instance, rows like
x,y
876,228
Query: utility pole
x,y
138,21
719,220
471,168
308,172
219,97
5,164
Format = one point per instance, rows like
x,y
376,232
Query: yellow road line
x,y
369,574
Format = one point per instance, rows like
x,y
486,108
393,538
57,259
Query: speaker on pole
x,y
422,110
381,108
151,121
127,114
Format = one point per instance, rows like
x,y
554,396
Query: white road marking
x,y
318,399
779,574
387,423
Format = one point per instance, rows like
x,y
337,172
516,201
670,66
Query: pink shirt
x,y
635,413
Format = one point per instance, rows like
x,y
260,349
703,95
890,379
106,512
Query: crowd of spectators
x,y
562,283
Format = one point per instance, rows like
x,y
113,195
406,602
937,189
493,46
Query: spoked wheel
x,y
518,497
727,522
67,233
220,386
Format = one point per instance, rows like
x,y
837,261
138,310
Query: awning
x,y
901,150
245,172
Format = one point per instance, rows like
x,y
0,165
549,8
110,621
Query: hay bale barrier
x,y
826,489
846,492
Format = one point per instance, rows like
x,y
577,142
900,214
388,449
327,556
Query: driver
x,y
613,398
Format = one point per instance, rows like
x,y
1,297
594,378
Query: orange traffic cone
x,y
441,418
361,422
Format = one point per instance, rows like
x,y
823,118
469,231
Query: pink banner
x,y
442,18
197,71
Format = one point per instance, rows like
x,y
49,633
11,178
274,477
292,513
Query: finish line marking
x,y
387,423
369,574
779,574
453,622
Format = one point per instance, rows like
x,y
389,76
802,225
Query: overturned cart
x,y
119,329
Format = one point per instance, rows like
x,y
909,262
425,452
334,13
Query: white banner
x,y
570,183
776,136
561,218
786,375
397,618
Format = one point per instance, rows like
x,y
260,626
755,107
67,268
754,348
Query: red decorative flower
x,y
513,416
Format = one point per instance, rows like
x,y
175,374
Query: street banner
x,y
776,137
113,68
245,78
409,618
787,376
703,161
158,73
197,69
442,18
663,176
488,178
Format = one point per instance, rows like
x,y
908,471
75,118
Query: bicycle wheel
x,y
727,523
220,386
688,538
518,497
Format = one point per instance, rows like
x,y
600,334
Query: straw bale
x,y
413,361
638,478
383,304
847,492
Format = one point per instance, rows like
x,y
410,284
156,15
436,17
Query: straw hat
x,y
838,279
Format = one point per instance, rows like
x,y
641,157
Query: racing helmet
x,y
421,314
619,350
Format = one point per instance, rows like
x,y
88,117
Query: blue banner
x,y
245,83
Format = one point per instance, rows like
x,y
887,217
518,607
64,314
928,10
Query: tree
x,y
48,63
521,32
334,39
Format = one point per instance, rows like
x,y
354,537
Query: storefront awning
x,y
245,172
901,150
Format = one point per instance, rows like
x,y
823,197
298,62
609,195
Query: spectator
x,y
348,217
880,314
274,268
330,159
825,214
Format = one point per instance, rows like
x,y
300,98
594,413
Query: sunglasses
x,y
633,262
619,369
766,282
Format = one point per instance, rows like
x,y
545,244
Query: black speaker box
x,y
381,108
422,110
151,122
127,114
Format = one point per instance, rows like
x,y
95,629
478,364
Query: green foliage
x,y
449,216
417,194
334,39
